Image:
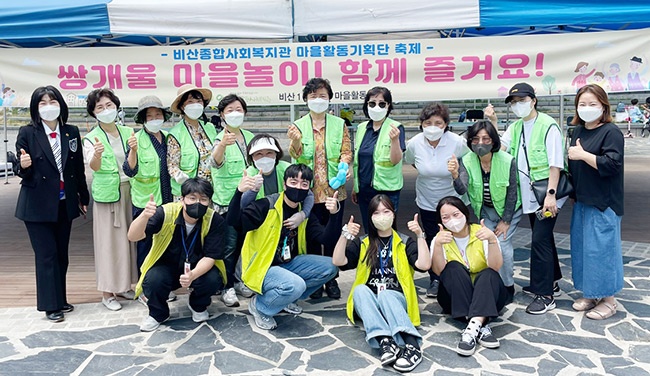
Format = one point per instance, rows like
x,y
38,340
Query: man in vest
x,y
320,141
275,263
186,252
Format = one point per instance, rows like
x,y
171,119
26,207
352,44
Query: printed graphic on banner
x,y
271,74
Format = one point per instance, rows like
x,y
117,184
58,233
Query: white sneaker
x,y
229,298
111,303
261,320
198,316
149,324
243,290
129,295
172,297
293,309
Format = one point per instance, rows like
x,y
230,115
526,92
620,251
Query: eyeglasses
x,y
481,140
372,104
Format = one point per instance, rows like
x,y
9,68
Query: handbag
x,y
564,187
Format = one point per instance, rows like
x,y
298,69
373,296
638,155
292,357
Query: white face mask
x,y
154,125
589,114
432,133
49,112
455,224
522,109
193,110
107,116
264,164
382,221
376,113
234,119
318,105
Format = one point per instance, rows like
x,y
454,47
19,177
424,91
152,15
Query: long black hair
x,y
373,235
53,93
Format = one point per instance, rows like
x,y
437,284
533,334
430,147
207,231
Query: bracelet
x,y
422,235
346,233
492,242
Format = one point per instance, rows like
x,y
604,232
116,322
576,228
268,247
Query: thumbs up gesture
x,y
576,152
229,138
150,208
25,159
99,148
332,203
294,133
353,227
133,142
444,236
452,166
485,233
258,180
246,183
414,226
394,132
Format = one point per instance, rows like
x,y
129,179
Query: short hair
x,y
96,95
634,101
254,140
230,98
53,93
388,97
601,96
197,185
491,131
299,170
455,202
195,94
314,84
435,109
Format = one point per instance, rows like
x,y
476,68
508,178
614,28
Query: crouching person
x,y
275,263
383,294
186,251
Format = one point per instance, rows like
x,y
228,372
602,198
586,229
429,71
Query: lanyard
x,y
188,250
381,255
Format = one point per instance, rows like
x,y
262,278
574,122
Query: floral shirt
x,y
203,144
321,188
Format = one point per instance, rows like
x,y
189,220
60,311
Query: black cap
x,y
521,89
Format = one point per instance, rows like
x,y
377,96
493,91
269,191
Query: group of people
x,y
222,211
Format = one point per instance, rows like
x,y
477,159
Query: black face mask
x,y
481,149
196,210
296,194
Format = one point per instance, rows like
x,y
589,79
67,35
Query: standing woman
x,y
596,165
378,148
383,293
434,153
190,141
53,191
229,162
105,151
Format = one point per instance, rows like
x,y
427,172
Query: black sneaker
x,y
409,359
487,339
332,289
556,290
317,294
467,344
432,291
541,305
389,351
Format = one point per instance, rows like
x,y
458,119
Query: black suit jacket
x,y
38,200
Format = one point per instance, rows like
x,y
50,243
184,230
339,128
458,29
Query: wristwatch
x,y
551,191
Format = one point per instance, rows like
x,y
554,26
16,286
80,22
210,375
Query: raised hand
x,y
294,133
414,226
133,142
229,138
246,183
444,236
99,148
394,132
576,152
150,208
258,180
332,203
485,233
25,159
452,166
353,227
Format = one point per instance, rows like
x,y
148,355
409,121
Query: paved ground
x,y
95,341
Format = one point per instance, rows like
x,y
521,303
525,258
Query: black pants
x,y
323,216
233,241
462,299
160,280
430,220
142,246
50,243
544,263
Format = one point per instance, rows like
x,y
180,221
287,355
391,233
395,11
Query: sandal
x,y
596,314
584,304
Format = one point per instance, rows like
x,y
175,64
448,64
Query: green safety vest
x,y
474,252
386,175
147,180
106,180
499,181
189,160
260,244
403,270
279,173
334,127
226,178
537,155
162,239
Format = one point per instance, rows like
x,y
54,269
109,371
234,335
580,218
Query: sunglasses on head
x,y
372,104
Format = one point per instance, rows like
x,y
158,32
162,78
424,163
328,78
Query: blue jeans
x,y
297,279
366,194
383,315
492,218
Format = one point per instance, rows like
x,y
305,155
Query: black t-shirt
x,y
603,187
175,255
383,271
271,182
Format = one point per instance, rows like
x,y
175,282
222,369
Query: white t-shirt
x,y
555,152
118,151
434,181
